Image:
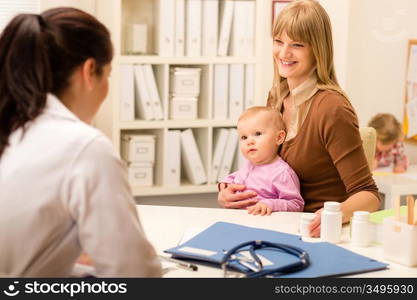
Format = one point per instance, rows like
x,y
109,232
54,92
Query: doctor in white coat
x,y
63,190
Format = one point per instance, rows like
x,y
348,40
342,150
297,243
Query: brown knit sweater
x,y
327,152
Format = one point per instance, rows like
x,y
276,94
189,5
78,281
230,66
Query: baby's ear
x,y
280,137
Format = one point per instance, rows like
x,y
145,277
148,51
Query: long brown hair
x,y
38,54
306,21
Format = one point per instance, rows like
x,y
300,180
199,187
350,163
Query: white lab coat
x,y
63,190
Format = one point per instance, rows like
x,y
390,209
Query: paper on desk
x,y
383,171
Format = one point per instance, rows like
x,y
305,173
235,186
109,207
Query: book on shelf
x,y
172,159
193,27
229,154
236,87
226,19
221,92
179,28
210,27
153,91
127,93
165,27
243,29
143,101
191,158
220,141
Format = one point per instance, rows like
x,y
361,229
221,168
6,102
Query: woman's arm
x,y
341,138
229,198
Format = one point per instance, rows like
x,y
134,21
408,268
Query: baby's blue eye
x,y
258,133
243,137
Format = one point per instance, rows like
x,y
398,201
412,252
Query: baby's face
x,y
259,140
384,147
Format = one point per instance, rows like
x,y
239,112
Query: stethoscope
x,y
256,266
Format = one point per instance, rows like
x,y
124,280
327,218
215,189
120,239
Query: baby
x,y
261,131
389,147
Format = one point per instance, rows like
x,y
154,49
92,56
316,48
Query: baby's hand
x,y
259,209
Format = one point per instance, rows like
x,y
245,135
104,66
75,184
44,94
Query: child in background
x,y
389,145
261,131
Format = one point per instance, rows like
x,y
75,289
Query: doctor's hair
x,y
275,117
307,21
38,55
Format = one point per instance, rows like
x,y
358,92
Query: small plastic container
x,y
183,108
138,148
400,242
305,221
185,82
140,174
331,222
360,229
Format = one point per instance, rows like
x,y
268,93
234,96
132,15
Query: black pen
x,y
180,263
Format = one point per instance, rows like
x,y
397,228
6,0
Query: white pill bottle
x,y
331,222
360,227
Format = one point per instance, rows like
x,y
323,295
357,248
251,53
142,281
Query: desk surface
x,y
166,225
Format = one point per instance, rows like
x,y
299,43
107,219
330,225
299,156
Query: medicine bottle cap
x,y
332,206
361,215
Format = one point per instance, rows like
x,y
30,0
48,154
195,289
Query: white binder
x,y
236,87
225,27
127,93
172,159
249,85
221,91
239,26
210,27
165,27
153,91
143,106
250,28
179,27
220,142
193,165
229,154
193,30
243,29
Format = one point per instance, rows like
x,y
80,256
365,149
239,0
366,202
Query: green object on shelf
x,y
379,216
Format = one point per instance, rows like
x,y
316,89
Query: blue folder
x,y
325,259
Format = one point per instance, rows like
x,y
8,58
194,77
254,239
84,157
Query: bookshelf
x,y
117,15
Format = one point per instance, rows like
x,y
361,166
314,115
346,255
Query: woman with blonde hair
x,y
323,143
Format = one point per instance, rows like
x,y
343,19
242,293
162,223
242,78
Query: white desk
x,y
165,225
395,185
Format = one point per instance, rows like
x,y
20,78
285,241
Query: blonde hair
x,y
274,115
306,21
388,129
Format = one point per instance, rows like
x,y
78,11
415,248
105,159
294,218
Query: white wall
x,y
86,5
378,36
